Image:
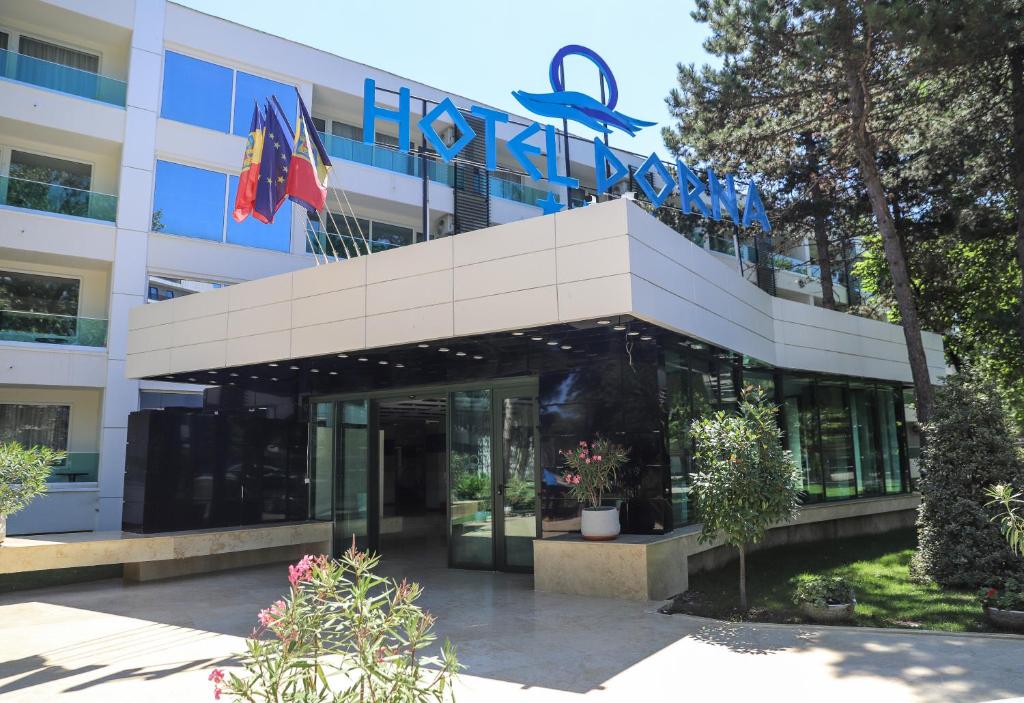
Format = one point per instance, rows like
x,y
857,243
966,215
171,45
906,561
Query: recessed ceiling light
x,y
646,338
619,328
399,366
632,333
477,357
333,373
566,346
362,358
254,377
342,356
273,378
192,379
211,372
382,362
422,346
460,353
552,344
536,339
293,367
604,322
271,364
443,349
233,374
314,370
517,334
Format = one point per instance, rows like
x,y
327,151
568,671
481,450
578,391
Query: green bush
x,y
472,486
1010,597
968,447
23,474
823,590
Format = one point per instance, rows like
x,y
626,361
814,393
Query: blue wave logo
x,y
583,109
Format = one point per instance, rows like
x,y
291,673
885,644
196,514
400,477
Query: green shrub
x,y
823,590
968,447
1010,597
23,474
472,486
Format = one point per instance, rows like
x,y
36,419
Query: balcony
x,y
46,328
387,159
79,467
58,199
510,190
63,79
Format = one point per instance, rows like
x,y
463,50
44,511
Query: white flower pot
x,y
3,528
600,524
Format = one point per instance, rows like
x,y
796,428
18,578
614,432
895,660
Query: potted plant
x,y
590,472
1005,607
23,474
825,599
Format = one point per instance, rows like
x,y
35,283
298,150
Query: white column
x,y
128,275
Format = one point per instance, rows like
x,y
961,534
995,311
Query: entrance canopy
x,y
605,266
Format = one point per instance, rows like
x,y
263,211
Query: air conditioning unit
x,y
446,226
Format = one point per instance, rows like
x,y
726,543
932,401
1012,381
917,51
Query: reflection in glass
x,y
519,480
472,518
863,415
189,201
836,447
801,424
197,92
351,501
321,469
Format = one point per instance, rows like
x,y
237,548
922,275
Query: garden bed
x,y
877,566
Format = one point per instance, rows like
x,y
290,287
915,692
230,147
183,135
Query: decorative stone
x,y
1006,619
829,614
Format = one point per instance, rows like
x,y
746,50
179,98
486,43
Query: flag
x,y
310,166
245,197
273,173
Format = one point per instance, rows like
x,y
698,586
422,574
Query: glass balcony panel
x,y
46,328
63,200
64,79
78,467
509,190
722,245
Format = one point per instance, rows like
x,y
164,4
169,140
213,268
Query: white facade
x,y
110,259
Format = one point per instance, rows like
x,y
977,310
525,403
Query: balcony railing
x,y
46,328
803,268
510,190
63,200
64,79
385,158
79,467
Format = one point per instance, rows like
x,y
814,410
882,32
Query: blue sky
x,y
485,50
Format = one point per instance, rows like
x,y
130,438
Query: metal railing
x,y
47,328
64,79
56,198
510,190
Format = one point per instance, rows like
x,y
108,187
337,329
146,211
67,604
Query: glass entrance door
x,y
470,480
516,478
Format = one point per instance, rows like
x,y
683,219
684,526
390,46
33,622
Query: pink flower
x,y
583,443
269,616
304,569
597,458
217,675
216,693
588,461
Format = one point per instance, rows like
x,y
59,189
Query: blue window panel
x,y
249,88
253,233
196,92
190,200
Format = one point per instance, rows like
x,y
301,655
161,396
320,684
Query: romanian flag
x,y
310,166
245,198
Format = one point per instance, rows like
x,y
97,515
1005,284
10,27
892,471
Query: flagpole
x,y
350,209
341,237
309,238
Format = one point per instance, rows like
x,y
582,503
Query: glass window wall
x,y
197,92
189,201
255,90
253,233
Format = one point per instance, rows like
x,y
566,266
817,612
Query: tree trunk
x,y
743,578
818,208
1017,101
867,157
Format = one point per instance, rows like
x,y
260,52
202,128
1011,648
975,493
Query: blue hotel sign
x,y
696,196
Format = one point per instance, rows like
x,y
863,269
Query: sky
x,y
485,50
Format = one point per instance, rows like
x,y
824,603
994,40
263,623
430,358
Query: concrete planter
x,y
600,524
829,614
3,528
1006,619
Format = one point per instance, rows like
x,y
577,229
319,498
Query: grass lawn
x,y
877,566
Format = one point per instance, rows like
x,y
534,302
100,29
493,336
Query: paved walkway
x,y
156,642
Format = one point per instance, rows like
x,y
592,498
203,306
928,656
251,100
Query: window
x,y
32,425
27,46
168,294
48,184
334,243
320,124
250,89
253,233
3,41
387,236
197,92
386,140
157,400
36,308
154,293
190,200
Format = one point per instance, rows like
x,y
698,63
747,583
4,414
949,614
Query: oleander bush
x,y
23,474
968,447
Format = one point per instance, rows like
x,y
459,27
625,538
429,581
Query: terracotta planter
x,y
1006,619
829,614
600,524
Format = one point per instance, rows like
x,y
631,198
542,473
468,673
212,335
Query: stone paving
x,y
155,642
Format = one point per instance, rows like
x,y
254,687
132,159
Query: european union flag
x,y
274,164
